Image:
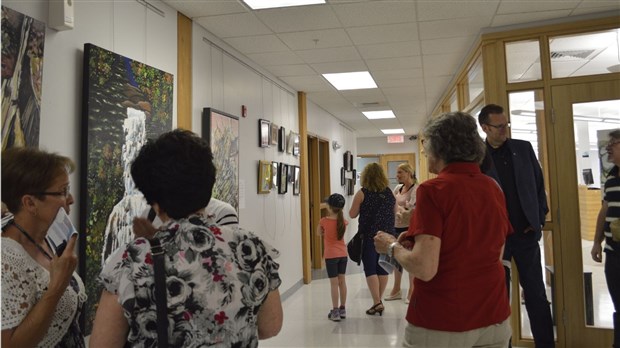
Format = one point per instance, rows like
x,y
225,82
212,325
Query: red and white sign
x,y
396,139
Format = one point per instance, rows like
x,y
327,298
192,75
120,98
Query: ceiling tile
x,y
395,63
441,64
336,54
307,83
450,9
376,12
455,45
203,8
606,10
387,83
412,92
397,74
291,70
336,67
316,39
246,24
452,28
275,58
390,50
529,6
301,18
257,44
383,33
516,18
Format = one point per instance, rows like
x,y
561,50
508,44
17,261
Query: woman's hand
x,y
62,268
383,241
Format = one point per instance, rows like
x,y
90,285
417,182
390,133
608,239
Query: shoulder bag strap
x,y
161,302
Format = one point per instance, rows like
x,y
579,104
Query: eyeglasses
x,y
612,143
65,192
499,126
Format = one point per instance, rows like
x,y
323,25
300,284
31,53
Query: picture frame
x,y
274,175
350,161
296,145
273,136
282,180
124,103
221,131
281,139
354,177
350,187
264,128
345,160
264,176
296,183
290,142
342,177
291,174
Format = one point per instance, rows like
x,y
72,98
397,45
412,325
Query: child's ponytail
x,y
340,226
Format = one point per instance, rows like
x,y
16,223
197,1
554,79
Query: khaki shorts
x,y
496,336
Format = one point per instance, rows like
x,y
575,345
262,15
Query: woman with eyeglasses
x,y
42,297
608,229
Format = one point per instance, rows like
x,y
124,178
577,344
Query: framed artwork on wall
x,y
23,42
342,177
221,131
350,161
264,128
124,103
264,176
354,177
274,175
290,142
273,136
282,180
345,160
291,174
350,187
281,139
296,145
296,184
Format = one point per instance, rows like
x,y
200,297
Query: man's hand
x,y
383,241
143,228
597,252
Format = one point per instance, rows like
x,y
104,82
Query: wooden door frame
x,y
570,279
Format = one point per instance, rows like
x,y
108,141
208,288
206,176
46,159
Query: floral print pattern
x,y
217,277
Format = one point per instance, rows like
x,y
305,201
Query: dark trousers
x,y
612,274
527,259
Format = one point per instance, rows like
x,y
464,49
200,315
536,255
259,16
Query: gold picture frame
x,y
264,176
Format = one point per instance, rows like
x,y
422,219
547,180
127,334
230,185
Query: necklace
x,y
23,231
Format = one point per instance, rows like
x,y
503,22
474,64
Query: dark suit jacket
x,y
528,179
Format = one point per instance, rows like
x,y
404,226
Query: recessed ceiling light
x,y
261,4
393,131
351,80
375,115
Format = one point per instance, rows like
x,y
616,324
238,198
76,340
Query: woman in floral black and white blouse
x,y
222,282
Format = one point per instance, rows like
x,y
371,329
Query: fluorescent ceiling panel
x,y
393,131
262,4
351,80
375,115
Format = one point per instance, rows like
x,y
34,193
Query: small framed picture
x,y
296,184
274,175
350,161
296,145
291,174
290,142
281,139
354,177
350,187
264,176
274,134
342,176
282,180
345,160
264,127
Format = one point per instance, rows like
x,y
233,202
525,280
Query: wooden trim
x,y
315,200
184,72
304,194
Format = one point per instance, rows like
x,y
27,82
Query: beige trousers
x,y
492,336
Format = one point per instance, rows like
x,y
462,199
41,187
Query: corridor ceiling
x,y
412,48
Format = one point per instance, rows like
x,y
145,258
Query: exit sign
x,y
396,139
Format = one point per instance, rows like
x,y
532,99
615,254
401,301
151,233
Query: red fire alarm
x,y
244,111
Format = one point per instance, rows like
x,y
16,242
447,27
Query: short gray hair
x,y
453,137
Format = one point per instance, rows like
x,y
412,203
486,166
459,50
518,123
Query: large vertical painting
x,y
23,40
221,130
124,103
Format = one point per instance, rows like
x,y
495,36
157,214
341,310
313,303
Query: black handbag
x,y
161,300
355,246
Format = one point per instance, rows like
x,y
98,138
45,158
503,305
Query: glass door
x,y
583,116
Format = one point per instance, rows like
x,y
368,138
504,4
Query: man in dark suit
x,y
514,164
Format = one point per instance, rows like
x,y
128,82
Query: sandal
x,y
377,308
396,296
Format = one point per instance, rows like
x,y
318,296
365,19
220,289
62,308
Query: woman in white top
x,y
42,297
405,203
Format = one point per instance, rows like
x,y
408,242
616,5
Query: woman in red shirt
x,y
458,232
